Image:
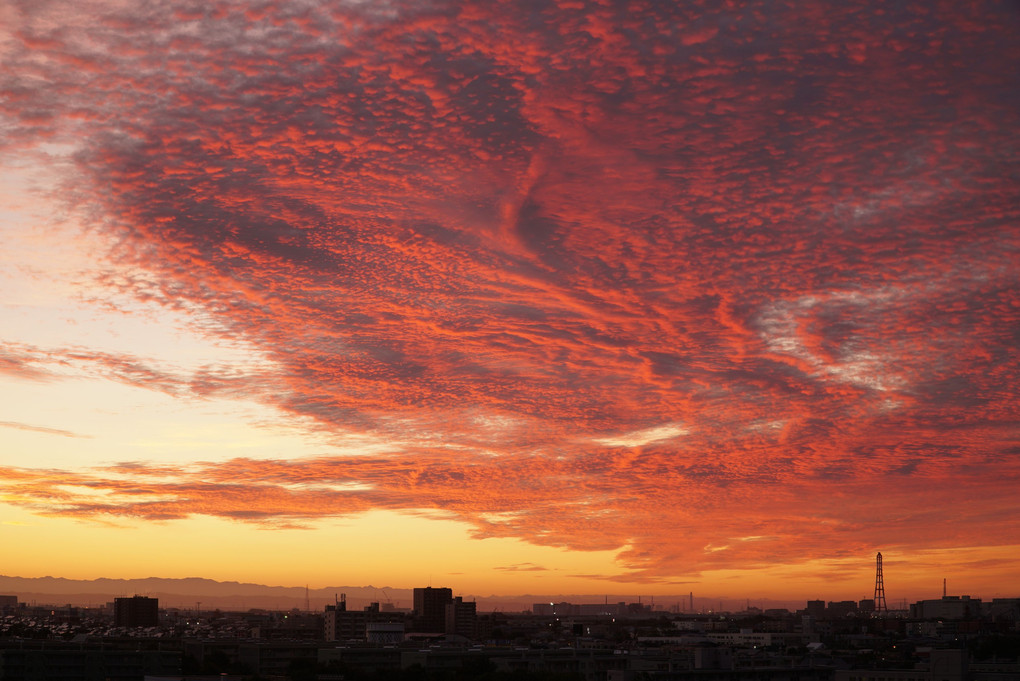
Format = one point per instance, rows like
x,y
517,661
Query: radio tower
x,y
880,605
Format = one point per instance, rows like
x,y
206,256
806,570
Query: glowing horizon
x,y
539,297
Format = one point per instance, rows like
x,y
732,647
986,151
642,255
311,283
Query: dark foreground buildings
x,y
951,639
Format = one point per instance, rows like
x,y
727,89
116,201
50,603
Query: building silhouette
x,y
341,624
947,607
430,609
815,609
8,604
137,611
461,618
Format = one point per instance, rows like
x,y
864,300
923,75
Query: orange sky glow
x,y
549,297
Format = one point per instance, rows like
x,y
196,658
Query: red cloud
x,y
504,240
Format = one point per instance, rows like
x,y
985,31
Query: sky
x,y
546,296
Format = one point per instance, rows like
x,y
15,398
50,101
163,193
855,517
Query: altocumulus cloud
x,y
600,272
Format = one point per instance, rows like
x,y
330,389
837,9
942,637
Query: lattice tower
x,y
880,605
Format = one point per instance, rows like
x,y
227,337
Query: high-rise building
x,y
461,618
138,611
430,609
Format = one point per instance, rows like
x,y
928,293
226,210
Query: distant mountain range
x,y
189,592
208,594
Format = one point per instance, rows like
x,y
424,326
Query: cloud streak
x,y
40,429
605,275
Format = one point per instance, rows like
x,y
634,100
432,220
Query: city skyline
x,y
199,594
561,297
